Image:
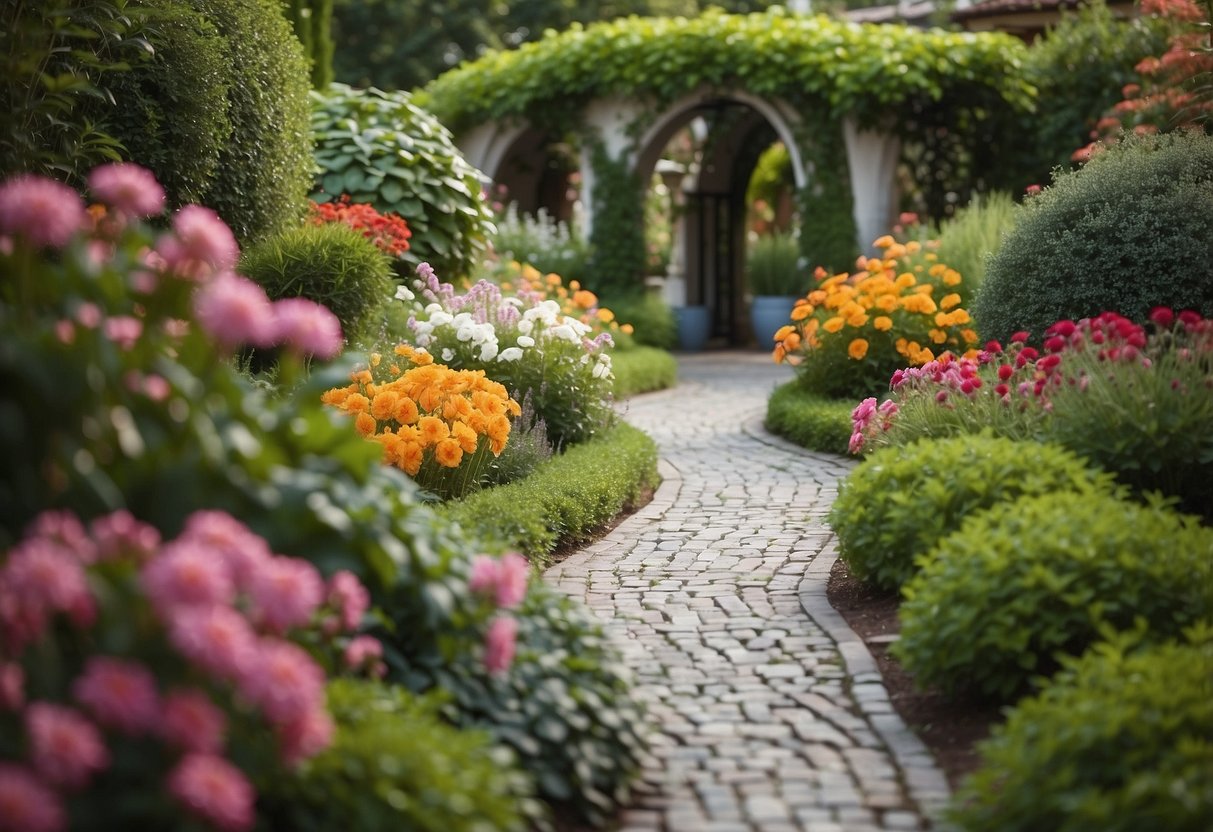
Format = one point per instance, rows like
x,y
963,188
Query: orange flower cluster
x,y
436,424
574,301
389,232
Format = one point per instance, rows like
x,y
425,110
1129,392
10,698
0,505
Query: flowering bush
x,y
389,232
524,341
1134,402
849,333
124,658
440,426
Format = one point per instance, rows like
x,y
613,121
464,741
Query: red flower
x,y
1005,371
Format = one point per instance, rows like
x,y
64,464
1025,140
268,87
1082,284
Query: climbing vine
x,y
617,237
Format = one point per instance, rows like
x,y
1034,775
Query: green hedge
x,y
642,370
809,420
567,498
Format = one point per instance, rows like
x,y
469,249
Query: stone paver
x,y
771,713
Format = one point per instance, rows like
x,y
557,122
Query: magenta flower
x,y
201,243
45,213
214,790
192,722
235,311
119,694
285,593
349,597
308,328
365,652
129,188
44,578
64,528
120,535
499,644
26,804
216,639
306,737
12,687
242,551
186,574
283,680
66,749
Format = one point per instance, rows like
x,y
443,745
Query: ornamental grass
x,y
852,331
440,426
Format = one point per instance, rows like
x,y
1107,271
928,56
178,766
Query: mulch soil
x,y
948,728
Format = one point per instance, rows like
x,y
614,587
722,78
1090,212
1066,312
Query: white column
x,y
872,158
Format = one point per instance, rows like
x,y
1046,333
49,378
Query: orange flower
x,y
949,301
406,411
468,438
448,453
802,310
857,349
951,277
585,298
383,406
784,331
833,325
882,323
364,424
433,430
409,456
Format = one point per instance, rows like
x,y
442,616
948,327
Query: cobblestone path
x,y
771,713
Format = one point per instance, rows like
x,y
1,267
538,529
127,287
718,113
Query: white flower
x,y
440,317
448,355
565,333
577,326
402,293
488,351
466,331
526,341
510,354
601,370
525,326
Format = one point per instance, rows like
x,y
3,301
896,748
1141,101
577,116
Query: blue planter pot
x,y
767,314
694,327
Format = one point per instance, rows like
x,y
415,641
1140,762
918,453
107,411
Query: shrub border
x,y
809,420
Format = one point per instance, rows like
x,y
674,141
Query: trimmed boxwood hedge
x,y
642,370
810,420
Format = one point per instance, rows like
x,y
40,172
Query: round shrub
x,y
995,602
171,111
1127,232
331,264
811,421
380,147
901,501
394,764
1121,740
261,182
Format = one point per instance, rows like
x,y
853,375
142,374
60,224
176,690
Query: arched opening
x,y
537,171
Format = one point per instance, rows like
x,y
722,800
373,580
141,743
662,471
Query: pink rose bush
x,y
205,647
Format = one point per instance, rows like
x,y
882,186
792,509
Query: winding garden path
x,y
770,712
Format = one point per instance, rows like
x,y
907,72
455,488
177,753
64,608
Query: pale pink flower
x,y
64,528
242,551
214,790
129,188
123,330
176,328
45,213
306,737
499,644
184,574
201,243
484,574
365,652
26,805
144,282
235,311
217,639
65,748
285,593
156,387
65,331
349,597
513,571
120,535
283,680
44,577
12,687
308,328
119,694
192,722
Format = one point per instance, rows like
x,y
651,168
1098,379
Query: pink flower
x,y
308,328
242,551
123,331
44,578
513,571
185,574
201,243
499,644
235,311
349,597
46,213
129,188
12,687
855,445
484,574
284,681
286,592
306,737
64,528
215,790
120,535
119,694
216,639
26,804
88,315
365,652
66,749
191,721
